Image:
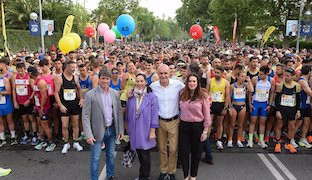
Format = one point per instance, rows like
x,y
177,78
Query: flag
x,y
217,34
267,34
5,45
234,33
68,25
306,28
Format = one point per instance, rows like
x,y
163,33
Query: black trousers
x,y
189,143
145,163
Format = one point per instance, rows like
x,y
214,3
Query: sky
x,y
158,7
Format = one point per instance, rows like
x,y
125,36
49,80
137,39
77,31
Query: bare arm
x,y
304,85
42,86
14,90
227,94
272,92
7,87
58,83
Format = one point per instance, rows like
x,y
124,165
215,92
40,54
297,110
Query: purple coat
x,y
139,128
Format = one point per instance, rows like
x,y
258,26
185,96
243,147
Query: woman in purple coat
x,y
142,121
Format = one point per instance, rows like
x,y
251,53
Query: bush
x,y
279,44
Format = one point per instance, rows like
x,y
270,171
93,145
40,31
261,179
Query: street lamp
x,y
33,16
302,4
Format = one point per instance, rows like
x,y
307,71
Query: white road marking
x,y
270,166
282,167
103,172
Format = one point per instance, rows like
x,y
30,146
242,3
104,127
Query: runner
x,y
115,82
151,75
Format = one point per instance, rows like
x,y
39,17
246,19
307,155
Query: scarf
x,y
139,95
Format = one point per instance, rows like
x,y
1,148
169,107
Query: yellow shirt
x,y
217,90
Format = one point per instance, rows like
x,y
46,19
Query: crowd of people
x,y
178,93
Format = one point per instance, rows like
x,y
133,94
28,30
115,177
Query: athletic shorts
x,y
52,100
6,111
44,117
288,113
305,112
217,108
72,109
259,109
272,112
25,110
123,103
238,108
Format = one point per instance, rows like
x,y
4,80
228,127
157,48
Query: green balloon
x,y
116,32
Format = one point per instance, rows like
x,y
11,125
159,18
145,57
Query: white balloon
x,y
33,16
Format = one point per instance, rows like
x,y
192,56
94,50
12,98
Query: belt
x,y
169,119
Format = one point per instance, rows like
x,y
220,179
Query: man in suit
x,y
102,123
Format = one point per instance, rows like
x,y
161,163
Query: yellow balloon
x,y
76,38
66,44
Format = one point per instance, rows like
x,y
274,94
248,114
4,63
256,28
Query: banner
x,y
34,28
68,25
267,34
217,34
292,28
5,45
234,33
48,27
306,28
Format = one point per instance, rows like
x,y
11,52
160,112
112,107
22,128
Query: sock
x,y
27,133
261,137
267,133
219,139
250,137
2,136
12,134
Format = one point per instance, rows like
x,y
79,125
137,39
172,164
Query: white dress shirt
x,y
168,97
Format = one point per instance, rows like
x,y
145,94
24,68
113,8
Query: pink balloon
x,y
102,28
109,36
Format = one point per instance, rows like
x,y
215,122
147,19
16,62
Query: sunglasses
x,y
114,72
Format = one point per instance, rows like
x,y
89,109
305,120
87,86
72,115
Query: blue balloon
x,y
125,24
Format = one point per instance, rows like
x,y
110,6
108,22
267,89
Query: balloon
x,y
76,38
89,31
66,44
125,24
109,36
102,28
196,31
116,32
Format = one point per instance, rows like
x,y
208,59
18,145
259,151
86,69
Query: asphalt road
x,y
33,165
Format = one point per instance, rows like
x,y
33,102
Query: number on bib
x,y
216,97
2,99
288,100
239,93
21,90
50,92
69,94
37,102
262,95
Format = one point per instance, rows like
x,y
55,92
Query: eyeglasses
x,y
114,72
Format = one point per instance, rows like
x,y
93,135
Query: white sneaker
x,y
240,144
304,143
249,144
77,146
293,142
230,144
65,149
262,144
219,145
117,142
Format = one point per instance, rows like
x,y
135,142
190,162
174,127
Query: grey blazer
x,y
93,114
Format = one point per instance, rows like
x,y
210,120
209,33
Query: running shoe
x,y
262,144
293,143
309,138
65,149
249,144
41,145
230,144
266,139
13,141
240,144
2,142
304,143
50,147
77,146
277,148
25,140
117,142
290,148
34,141
4,172
125,138
219,145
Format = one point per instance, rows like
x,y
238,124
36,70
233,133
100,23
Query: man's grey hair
x,y
105,72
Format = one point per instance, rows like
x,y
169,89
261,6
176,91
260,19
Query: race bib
x,y
50,91
69,94
21,90
308,100
288,100
216,97
262,96
2,99
1,83
36,88
37,102
239,93
21,82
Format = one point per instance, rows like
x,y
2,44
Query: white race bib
x,y
50,92
239,93
262,95
216,97
2,99
69,94
37,102
288,100
21,90
308,100
1,83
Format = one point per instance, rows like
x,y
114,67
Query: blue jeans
x,y
207,149
96,149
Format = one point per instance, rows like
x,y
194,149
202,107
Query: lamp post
x,y
302,4
41,27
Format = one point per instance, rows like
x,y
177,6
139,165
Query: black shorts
x,y
288,113
123,103
25,110
305,112
52,100
272,112
216,108
72,109
238,108
44,117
